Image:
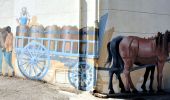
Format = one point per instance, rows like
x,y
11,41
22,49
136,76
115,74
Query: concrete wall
x,y
142,18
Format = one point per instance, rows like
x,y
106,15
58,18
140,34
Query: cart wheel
x,y
33,61
81,76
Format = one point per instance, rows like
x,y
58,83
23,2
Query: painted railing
x,y
62,52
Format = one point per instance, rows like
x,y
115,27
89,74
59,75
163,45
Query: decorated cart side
x,y
34,59
35,48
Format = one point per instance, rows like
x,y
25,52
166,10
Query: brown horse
x,y
133,50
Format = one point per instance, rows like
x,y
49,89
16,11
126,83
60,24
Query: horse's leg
x,y
145,79
134,90
151,78
129,83
127,76
160,75
111,91
121,85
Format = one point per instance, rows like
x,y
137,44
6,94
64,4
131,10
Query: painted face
x,y
24,10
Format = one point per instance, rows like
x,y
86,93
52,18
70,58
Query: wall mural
x,y
120,50
36,46
6,45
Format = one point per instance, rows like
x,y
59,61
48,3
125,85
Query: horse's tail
x,y
109,58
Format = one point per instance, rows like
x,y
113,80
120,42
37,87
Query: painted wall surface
x,y
41,12
142,18
125,17
46,13
53,12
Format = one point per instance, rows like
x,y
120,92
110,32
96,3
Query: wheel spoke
x,y
34,70
29,52
22,64
37,51
27,55
25,59
26,67
30,71
39,68
74,75
40,60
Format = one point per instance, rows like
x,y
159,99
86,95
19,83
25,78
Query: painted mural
x,y
55,48
78,56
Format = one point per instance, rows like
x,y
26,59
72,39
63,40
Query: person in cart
x,y
8,50
24,19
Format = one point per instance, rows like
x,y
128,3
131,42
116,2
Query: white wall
x,y
137,16
48,12
6,15
87,12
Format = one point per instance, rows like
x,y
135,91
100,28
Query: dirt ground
x,y
12,88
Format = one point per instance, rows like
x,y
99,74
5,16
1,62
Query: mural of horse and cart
x,y
34,54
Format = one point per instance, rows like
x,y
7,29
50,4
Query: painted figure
x,y
151,69
133,50
8,49
3,35
24,17
117,66
118,63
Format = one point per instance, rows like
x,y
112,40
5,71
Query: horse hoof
x,y
122,91
134,91
144,91
111,92
160,91
151,91
127,92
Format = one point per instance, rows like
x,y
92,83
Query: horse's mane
x,y
165,42
159,39
162,42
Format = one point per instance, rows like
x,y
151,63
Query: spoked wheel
x,y
33,61
81,76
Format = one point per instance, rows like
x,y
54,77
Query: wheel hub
x,y
33,60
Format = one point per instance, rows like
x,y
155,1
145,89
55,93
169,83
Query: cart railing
x,y
61,50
